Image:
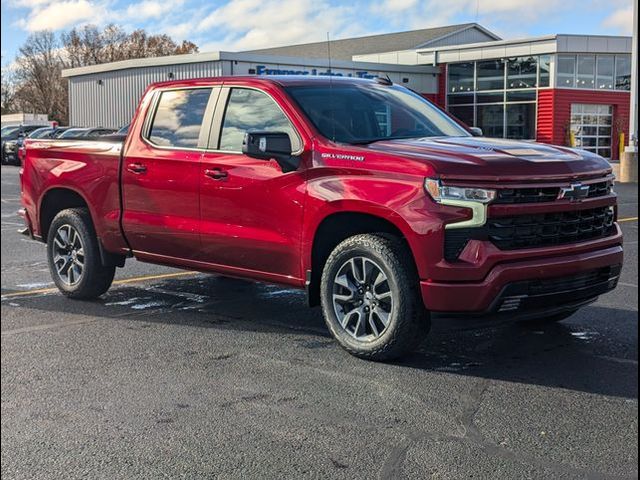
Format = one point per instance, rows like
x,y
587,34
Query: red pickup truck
x,y
381,206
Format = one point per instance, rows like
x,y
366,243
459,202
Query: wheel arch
x,y
336,227
55,200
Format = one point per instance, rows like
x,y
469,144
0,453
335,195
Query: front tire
x,y
74,256
371,300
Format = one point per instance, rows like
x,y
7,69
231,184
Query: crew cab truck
x,y
380,205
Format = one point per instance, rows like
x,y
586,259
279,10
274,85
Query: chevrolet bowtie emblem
x,y
575,192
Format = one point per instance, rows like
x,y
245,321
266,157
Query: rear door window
x,y
178,118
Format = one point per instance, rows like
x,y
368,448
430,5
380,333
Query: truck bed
x,y
90,168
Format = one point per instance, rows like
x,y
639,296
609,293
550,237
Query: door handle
x,y
216,174
136,168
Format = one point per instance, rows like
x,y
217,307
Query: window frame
x,y
618,59
205,129
217,122
599,75
504,93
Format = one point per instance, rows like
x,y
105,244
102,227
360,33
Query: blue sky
x,y
247,24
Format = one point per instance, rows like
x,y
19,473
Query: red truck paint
x,y
162,207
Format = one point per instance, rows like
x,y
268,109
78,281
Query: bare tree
x,y
40,87
90,46
7,103
38,68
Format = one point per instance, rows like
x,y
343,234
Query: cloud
x,y
252,24
59,15
150,9
621,21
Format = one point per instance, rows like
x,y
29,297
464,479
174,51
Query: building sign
x,y
264,70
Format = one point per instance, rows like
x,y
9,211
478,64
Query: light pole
x,y
629,163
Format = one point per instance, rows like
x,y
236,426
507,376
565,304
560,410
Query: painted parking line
x,y
124,281
630,219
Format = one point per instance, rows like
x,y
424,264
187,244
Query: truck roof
x,y
282,80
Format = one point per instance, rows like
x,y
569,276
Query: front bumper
x,y
508,288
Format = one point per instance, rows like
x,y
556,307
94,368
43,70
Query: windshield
x,y
9,130
73,133
366,113
41,133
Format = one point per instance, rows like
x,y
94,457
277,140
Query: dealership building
x,y
559,89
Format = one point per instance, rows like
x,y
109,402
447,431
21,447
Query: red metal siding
x,y
545,131
554,113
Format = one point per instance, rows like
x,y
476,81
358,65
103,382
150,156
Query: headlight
x,y
442,193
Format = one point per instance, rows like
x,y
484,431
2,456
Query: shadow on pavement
x,y
595,351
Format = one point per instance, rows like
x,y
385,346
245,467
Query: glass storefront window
x,y
497,97
464,113
522,72
591,72
544,78
522,96
623,72
459,99
586,71
490,75
566,67
604,72
521,121
461,77
490,118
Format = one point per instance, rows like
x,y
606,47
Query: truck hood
x,y
490,159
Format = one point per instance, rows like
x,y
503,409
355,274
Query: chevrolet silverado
x,y
385,209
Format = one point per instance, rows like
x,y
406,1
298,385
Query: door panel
x,y
252,217
161,175
161,204
251,212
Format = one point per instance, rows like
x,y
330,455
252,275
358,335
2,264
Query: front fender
x,y
400,201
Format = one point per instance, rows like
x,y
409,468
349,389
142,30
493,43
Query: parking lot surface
x,y
181,374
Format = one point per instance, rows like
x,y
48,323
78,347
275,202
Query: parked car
x,y
379,205
87,132
40,133
10,138
124,130
48,132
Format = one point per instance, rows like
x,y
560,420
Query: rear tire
x,y
371,299
74,256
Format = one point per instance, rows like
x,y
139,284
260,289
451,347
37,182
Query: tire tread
x,y
412,324
98,278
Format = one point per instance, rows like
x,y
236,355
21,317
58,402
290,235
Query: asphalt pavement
x,y
179,374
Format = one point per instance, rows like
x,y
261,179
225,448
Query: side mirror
x,y
271,145
476,132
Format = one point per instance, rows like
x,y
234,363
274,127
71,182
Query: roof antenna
x,y
331,104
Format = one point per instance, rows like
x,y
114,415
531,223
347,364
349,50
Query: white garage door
x,y
591,125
